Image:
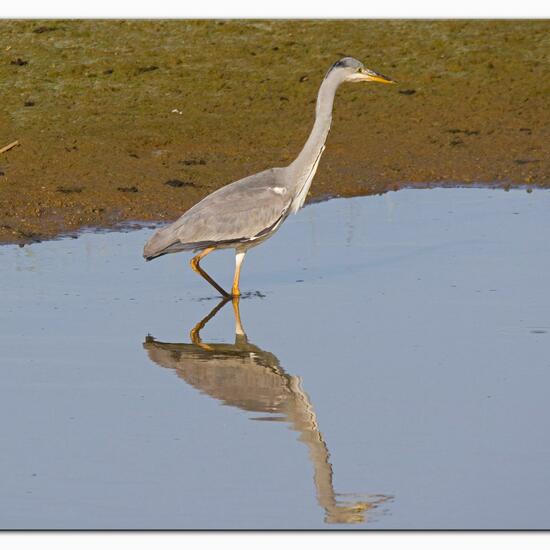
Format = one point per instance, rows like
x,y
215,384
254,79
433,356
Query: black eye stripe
x,y
344,63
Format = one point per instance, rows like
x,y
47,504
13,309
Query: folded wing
x,y
237,213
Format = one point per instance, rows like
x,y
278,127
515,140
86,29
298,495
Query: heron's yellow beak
x,y
372,76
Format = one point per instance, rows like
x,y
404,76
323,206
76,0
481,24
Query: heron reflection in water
x,y
243,375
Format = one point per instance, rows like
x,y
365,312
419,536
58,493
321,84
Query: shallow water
x,y
395,375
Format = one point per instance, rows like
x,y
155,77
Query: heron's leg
x,y
239,257
195,266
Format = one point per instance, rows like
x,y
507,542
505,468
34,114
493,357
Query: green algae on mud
x,y
138,120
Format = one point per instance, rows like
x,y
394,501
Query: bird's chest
x,y
304,183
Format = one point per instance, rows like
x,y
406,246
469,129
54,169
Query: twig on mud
x,y
9,146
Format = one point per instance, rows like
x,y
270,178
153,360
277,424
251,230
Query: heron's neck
x,y
304,167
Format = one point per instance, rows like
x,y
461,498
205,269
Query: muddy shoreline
x,y
138,120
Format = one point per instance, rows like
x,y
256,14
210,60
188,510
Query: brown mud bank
x,y
138,120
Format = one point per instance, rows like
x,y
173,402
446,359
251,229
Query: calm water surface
x,y
390,370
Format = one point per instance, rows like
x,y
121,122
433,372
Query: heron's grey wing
x,y
239,212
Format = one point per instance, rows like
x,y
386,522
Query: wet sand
x,y
138,120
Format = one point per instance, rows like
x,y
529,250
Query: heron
x,y
245,213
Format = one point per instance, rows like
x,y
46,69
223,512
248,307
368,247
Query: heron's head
x,y
349,69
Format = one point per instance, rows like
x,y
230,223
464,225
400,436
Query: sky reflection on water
x,y
407,334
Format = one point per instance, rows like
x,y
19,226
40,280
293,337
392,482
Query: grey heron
x,y
245,213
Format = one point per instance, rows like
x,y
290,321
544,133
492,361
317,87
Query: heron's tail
x,y
160,243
